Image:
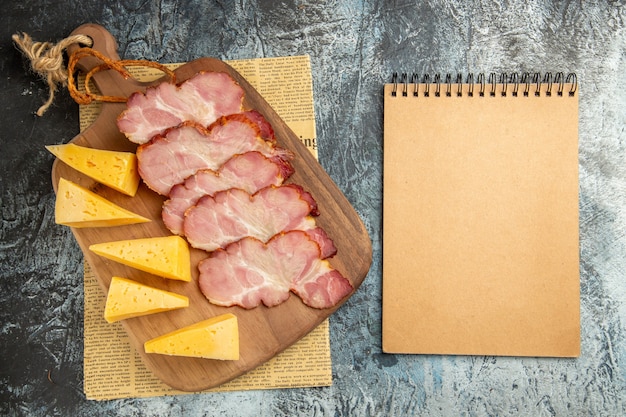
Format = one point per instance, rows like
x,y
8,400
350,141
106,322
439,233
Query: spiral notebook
x,y
480,215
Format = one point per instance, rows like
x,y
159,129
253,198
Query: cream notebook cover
x,y
480,216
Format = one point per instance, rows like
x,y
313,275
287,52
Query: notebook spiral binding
x,y
485,86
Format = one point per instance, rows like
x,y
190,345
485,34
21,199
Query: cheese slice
x,y
78,207
167,256
127,298
114,169
215,338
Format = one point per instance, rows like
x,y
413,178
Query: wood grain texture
x,y
264,332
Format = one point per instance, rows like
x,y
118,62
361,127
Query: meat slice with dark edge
x,y
249,171
230,215
203,99
249,273
168,159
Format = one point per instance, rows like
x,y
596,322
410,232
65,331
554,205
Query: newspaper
x,y
112,368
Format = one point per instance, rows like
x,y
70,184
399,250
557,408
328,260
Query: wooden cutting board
x,y
264,332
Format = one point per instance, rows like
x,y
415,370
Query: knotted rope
x,y
46,60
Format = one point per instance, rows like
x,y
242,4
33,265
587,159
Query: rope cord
x,y
47,60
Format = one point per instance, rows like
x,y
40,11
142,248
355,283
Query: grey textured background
x,y
354,47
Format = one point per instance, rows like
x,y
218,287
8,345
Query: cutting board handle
x,y
109,83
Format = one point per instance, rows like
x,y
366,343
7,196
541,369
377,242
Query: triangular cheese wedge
x,y
215,338
166,257
78,207
114,169
127,298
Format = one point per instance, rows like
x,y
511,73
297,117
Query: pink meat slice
x,y
228,216
168,159
249,273
265,128
202,99
250,171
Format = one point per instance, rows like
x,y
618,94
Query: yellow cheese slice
x,y
114,169
166,257
215,338
127,298
78,207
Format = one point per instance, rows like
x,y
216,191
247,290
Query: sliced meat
x,y
203,99
250,171
326,244
170,158
265,128
230,215
249,272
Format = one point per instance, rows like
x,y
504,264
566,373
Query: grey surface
x,y
354,48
